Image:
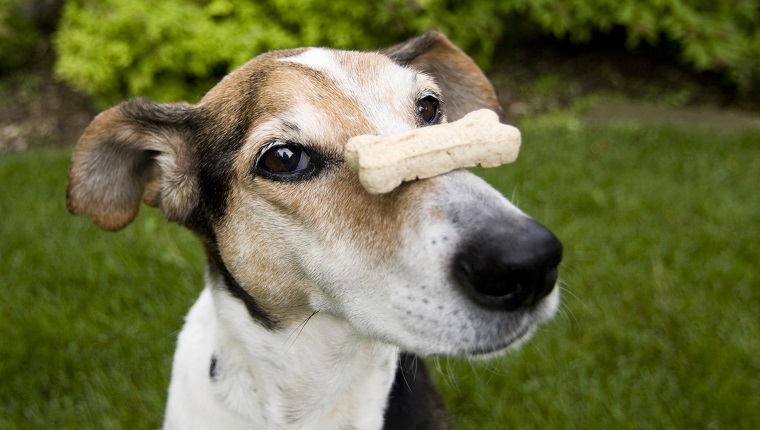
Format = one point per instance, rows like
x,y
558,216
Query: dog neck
x,y
231,372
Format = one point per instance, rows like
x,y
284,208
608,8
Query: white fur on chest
x,y
317,376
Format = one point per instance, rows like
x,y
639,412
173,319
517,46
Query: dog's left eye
x,y
429,110
284,159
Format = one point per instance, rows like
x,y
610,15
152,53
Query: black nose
x,y
508,265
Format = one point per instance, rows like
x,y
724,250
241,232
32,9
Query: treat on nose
x,y
383,162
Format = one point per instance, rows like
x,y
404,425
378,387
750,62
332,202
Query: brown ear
x,y
134,151
465,87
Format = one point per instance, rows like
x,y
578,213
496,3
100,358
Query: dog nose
x,y
507,266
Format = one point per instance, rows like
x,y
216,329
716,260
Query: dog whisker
x,y
446,372
406,370
564,309
297,331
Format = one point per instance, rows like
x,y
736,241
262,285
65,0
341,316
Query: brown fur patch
x,y
135,149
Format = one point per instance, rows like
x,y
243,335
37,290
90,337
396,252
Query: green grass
x,y
659,328
88,319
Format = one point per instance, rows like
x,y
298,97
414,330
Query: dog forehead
x,y
339,63
383,91
356,72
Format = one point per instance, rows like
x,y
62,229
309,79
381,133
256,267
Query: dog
x,y
319,296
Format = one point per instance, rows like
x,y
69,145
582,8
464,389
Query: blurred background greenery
x,y
176,49
641,151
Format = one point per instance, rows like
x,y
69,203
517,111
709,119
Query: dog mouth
x,y
446,322
507,272
487,292
520,330
512,342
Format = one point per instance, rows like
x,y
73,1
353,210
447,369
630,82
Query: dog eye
x,y
284,159
429,109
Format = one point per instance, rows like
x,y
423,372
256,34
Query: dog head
x,y
439,266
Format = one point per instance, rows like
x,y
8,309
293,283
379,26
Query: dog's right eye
x,y
284,162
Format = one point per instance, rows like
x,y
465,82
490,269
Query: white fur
x,y
321,375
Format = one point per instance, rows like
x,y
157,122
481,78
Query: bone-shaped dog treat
x,y
383,162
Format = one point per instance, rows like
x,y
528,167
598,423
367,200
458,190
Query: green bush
x,y
719,36
177,49
18,36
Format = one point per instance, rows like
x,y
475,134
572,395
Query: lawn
x,y
659,328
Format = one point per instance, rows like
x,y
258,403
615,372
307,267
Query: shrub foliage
x,y
176,49
18,36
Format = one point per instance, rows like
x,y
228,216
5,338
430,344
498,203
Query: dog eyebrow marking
x,y
292,127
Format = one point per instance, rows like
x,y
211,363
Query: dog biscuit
x,y
383,162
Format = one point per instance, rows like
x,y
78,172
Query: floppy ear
x,y
465,87
136,150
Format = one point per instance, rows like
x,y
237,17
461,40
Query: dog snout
x,y
507,266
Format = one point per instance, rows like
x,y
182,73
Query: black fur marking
x,y
217,267
215,165
212,369
414,403
258,314
219,140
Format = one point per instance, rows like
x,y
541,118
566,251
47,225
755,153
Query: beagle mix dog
x,y
320,295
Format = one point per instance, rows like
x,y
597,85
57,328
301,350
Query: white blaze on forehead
x,y
384,91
